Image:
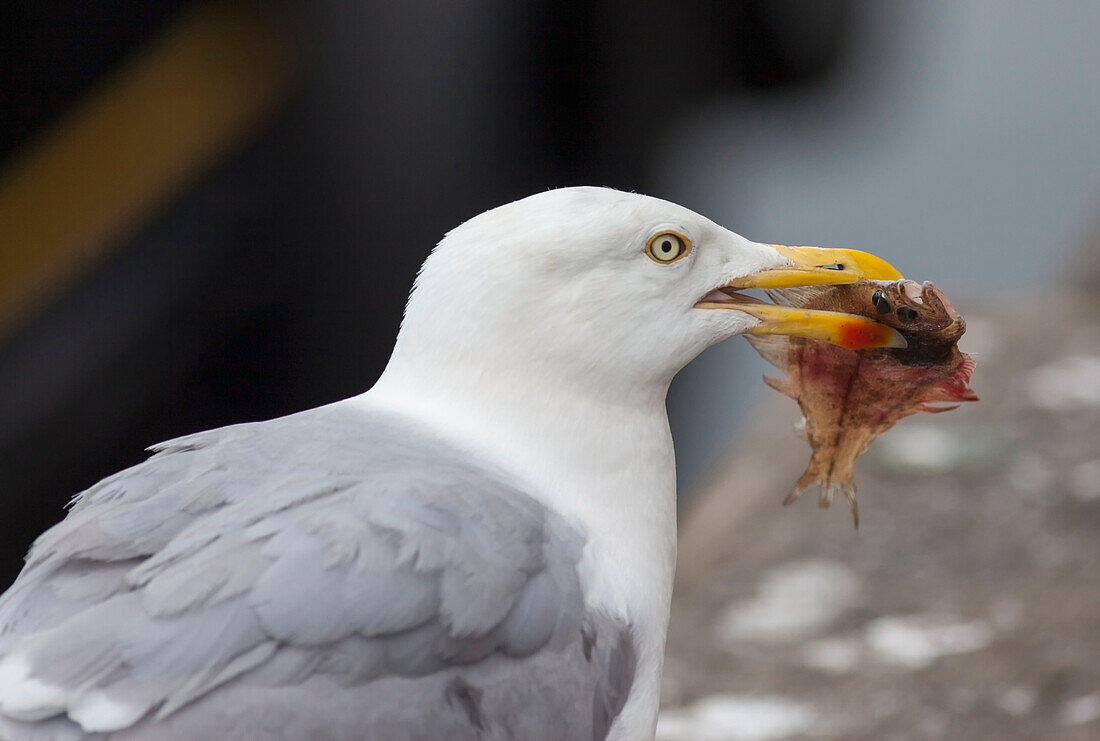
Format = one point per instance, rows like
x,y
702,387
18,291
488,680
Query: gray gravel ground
x,y
968,604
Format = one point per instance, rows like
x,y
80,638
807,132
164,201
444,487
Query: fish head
x,y
919,310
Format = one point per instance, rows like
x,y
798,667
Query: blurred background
x,y
211,212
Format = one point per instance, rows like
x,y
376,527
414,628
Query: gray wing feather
x,y
329,559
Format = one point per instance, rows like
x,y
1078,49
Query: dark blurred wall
x,y
275,280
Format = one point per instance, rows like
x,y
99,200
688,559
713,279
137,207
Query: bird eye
x,y
881,302
667,247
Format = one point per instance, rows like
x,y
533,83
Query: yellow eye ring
x,y
667,247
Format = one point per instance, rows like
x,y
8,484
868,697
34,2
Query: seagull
x,y
481,546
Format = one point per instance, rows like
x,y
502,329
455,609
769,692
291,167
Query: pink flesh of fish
x,y
849,397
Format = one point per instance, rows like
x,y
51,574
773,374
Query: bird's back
x,y
332,574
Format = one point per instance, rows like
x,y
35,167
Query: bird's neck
x,y
603,460
602,457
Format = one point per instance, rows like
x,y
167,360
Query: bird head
x,y
593,282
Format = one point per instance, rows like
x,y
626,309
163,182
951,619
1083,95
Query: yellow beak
x,y
847,330
820,265
814,266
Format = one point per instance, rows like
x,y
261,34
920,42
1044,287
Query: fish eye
x,y
906,315
667,247
881,302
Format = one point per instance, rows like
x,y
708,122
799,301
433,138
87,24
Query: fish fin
x,y
849,489
950,391
926,407
800,296
772,347
957,386
782,385
794,496
805,481
966,369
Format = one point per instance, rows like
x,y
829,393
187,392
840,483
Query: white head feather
x,y
560,283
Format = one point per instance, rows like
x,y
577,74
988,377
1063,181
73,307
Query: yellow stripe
x,y
119,155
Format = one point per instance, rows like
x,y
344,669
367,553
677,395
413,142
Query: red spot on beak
x,y
860,336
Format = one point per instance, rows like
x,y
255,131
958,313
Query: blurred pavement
x,y
968,604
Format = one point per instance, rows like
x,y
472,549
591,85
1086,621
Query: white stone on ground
x,y
916,641
1030,473
794,600
736,718
1084,481
1017,701
833,655
1080,711
1065,384
921,448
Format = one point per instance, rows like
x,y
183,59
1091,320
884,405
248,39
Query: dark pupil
x,y
881,302
906,315
666,246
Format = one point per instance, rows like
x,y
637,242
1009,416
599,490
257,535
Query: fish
x,y
849,397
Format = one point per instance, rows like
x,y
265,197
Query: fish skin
x,y
850,397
